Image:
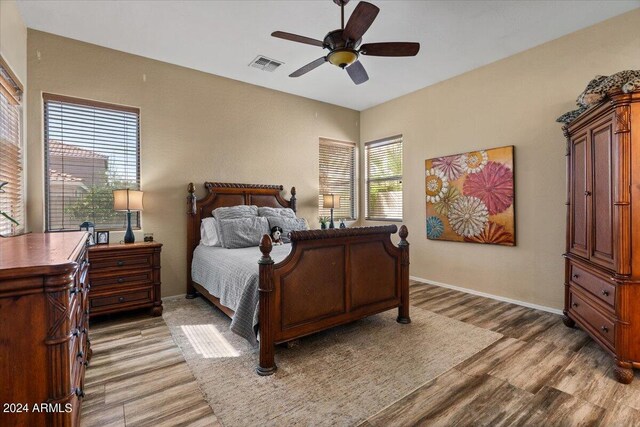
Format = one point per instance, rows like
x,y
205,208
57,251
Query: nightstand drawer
x,y
126,278
138,296
123,262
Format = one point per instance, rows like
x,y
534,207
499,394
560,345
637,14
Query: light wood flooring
x,y
539,373
138,377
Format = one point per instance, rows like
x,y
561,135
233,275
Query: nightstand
x,y
124,277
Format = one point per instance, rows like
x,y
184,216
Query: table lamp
x,y
127,200
331,201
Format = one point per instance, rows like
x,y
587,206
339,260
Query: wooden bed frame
x,y
331,277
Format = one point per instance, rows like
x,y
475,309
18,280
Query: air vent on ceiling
x,y
264,63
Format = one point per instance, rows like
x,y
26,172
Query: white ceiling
x,y
222,37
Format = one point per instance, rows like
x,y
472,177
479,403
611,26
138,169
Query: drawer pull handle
x,y
73,291
121,299
575,276
575,304
75,333
120,279
605,329
605,292
587,193
79,392
120,263
80,355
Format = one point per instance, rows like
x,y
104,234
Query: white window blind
x,y
383,160
91,149
11,176
337,176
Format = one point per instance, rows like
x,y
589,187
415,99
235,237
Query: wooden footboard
x,y
331,277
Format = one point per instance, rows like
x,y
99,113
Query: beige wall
x,y
511,102
13,38
13,47
194,127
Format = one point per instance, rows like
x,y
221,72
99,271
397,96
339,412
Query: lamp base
x,y
128,236
331,224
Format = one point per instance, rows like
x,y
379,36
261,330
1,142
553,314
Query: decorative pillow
x,y
231,212
277,212
243,232
288,225
209,232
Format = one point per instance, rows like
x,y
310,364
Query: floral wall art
x,y
470,197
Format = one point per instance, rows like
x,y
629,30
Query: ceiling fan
x,y
344,43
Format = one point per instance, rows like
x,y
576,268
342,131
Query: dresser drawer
x,y
601,289
599,324
124,261
123,299
126,278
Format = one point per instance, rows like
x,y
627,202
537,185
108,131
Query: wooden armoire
x,y
602,267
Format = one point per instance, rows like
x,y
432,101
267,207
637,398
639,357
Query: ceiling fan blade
x,y
361,19
310,66
357,73
390,49
297,38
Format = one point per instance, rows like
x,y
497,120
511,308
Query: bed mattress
x,y
232,276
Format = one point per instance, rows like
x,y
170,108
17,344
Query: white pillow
x,y
209,232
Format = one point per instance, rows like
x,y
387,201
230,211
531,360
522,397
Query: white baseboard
x,y
486,295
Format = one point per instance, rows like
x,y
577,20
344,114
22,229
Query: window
x,y
337,176
11,190
91,149
383,160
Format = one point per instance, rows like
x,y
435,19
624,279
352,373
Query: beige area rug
x,y
337,377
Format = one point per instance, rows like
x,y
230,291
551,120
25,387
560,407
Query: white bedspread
x,y
232,276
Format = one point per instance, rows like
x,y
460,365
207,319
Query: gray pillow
x,y
231,212
277,212
287,225
242,232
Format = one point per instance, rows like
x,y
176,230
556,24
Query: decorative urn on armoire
x,y
602,259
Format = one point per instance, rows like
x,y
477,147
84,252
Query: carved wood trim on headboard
x,y
221,194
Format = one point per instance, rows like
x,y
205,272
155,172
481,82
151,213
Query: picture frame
x,y
102,237
470,197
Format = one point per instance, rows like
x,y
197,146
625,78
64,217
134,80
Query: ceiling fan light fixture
x,y
343,57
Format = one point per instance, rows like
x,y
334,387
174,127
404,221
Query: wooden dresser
x,y
44,343
125,276
602,276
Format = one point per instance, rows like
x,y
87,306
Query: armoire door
x,y
579,189
601,249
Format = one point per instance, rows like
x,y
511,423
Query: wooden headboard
x,y
220,194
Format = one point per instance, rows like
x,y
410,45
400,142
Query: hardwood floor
x,y
138,377
539,373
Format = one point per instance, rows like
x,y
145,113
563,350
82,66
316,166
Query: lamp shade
x,y
330,201
127,200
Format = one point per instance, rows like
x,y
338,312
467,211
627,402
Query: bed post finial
x,y
191,199
267,365
265,247
403,310
293,199
404,232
